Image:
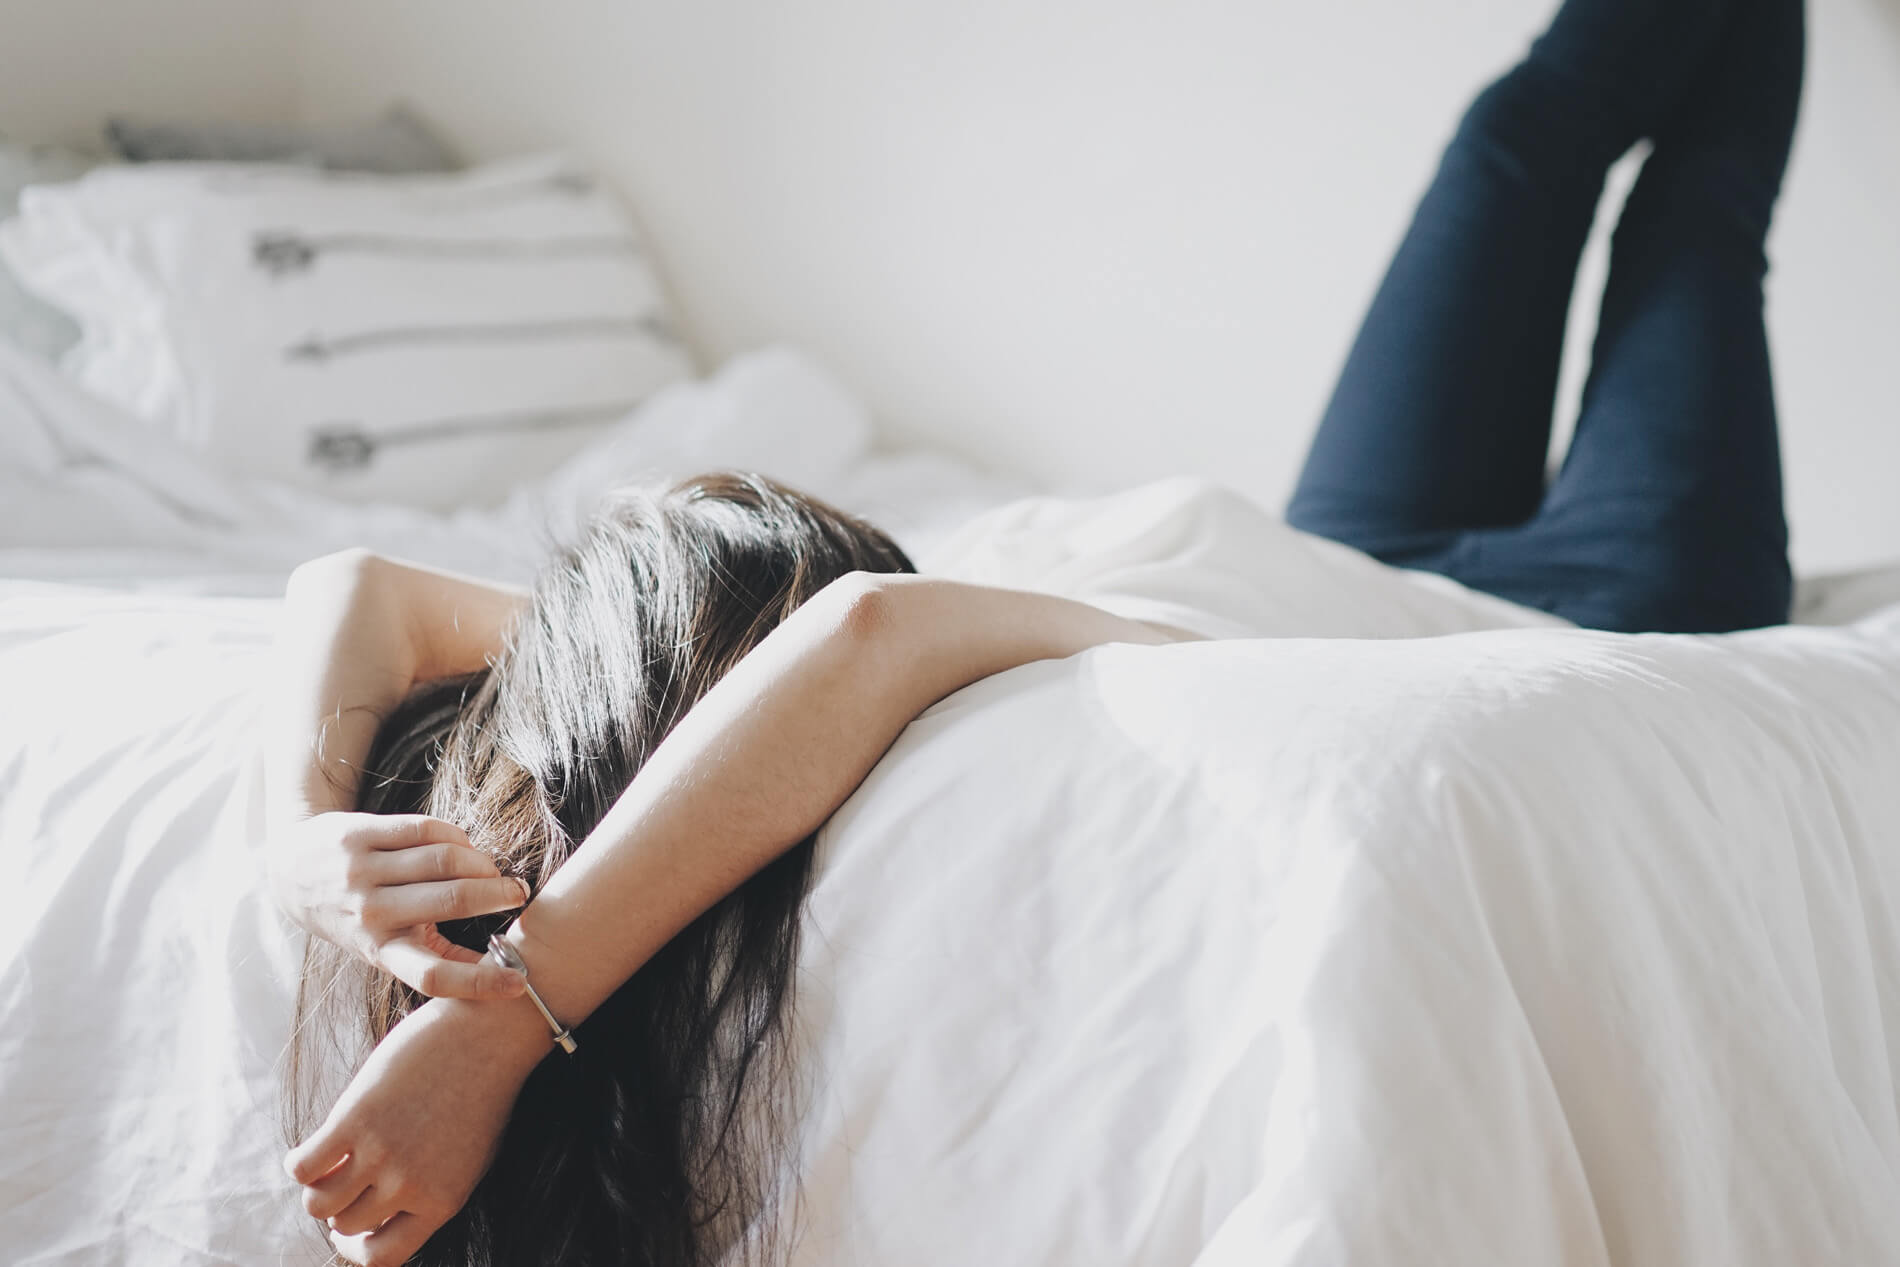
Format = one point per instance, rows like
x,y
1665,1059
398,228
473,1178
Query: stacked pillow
x,y
430,339
396,141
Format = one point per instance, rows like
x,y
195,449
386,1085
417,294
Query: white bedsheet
x,y
143,975
1540,947
1522,947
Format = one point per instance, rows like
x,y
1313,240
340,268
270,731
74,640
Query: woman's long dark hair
x,y
654,1143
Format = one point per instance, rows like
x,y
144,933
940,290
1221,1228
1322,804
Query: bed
x,y
1529,946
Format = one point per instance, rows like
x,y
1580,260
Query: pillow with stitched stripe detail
x,y
431,340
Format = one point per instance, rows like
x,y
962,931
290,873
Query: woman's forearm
x,y
342,662
359,632
764,758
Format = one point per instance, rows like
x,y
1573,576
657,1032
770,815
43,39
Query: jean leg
x,y
1441,418
1667,514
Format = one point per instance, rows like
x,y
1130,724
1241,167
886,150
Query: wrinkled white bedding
x,y
144,979
1521,947
1530,946
1540,947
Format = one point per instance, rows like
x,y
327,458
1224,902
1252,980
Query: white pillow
x,y
424,339
26,320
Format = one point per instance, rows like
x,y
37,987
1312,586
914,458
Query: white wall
x,y
66,64
1835,293
1102,239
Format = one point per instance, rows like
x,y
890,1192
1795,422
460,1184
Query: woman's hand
x,y
377,885
416,1128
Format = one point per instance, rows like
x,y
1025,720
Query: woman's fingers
x,y
368,1212
316,1157
405,831
449,950
437,860
335,1191
439,976
389,1246
438,901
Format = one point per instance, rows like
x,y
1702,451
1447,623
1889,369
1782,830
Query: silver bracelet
x,y
508,957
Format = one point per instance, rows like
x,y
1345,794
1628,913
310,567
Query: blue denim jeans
x,y
1667,511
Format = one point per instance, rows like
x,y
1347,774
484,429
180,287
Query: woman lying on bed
x,y
635,757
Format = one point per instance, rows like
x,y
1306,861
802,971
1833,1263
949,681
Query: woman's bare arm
x,y
358,633
767,755
758,764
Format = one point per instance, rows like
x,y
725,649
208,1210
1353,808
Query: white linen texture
x,y
1530,946
428,340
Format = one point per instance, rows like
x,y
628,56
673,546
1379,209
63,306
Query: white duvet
x,y
1530,947
1518,947
1533,946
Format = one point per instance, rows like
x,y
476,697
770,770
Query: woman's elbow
x,y
352,568
862,608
